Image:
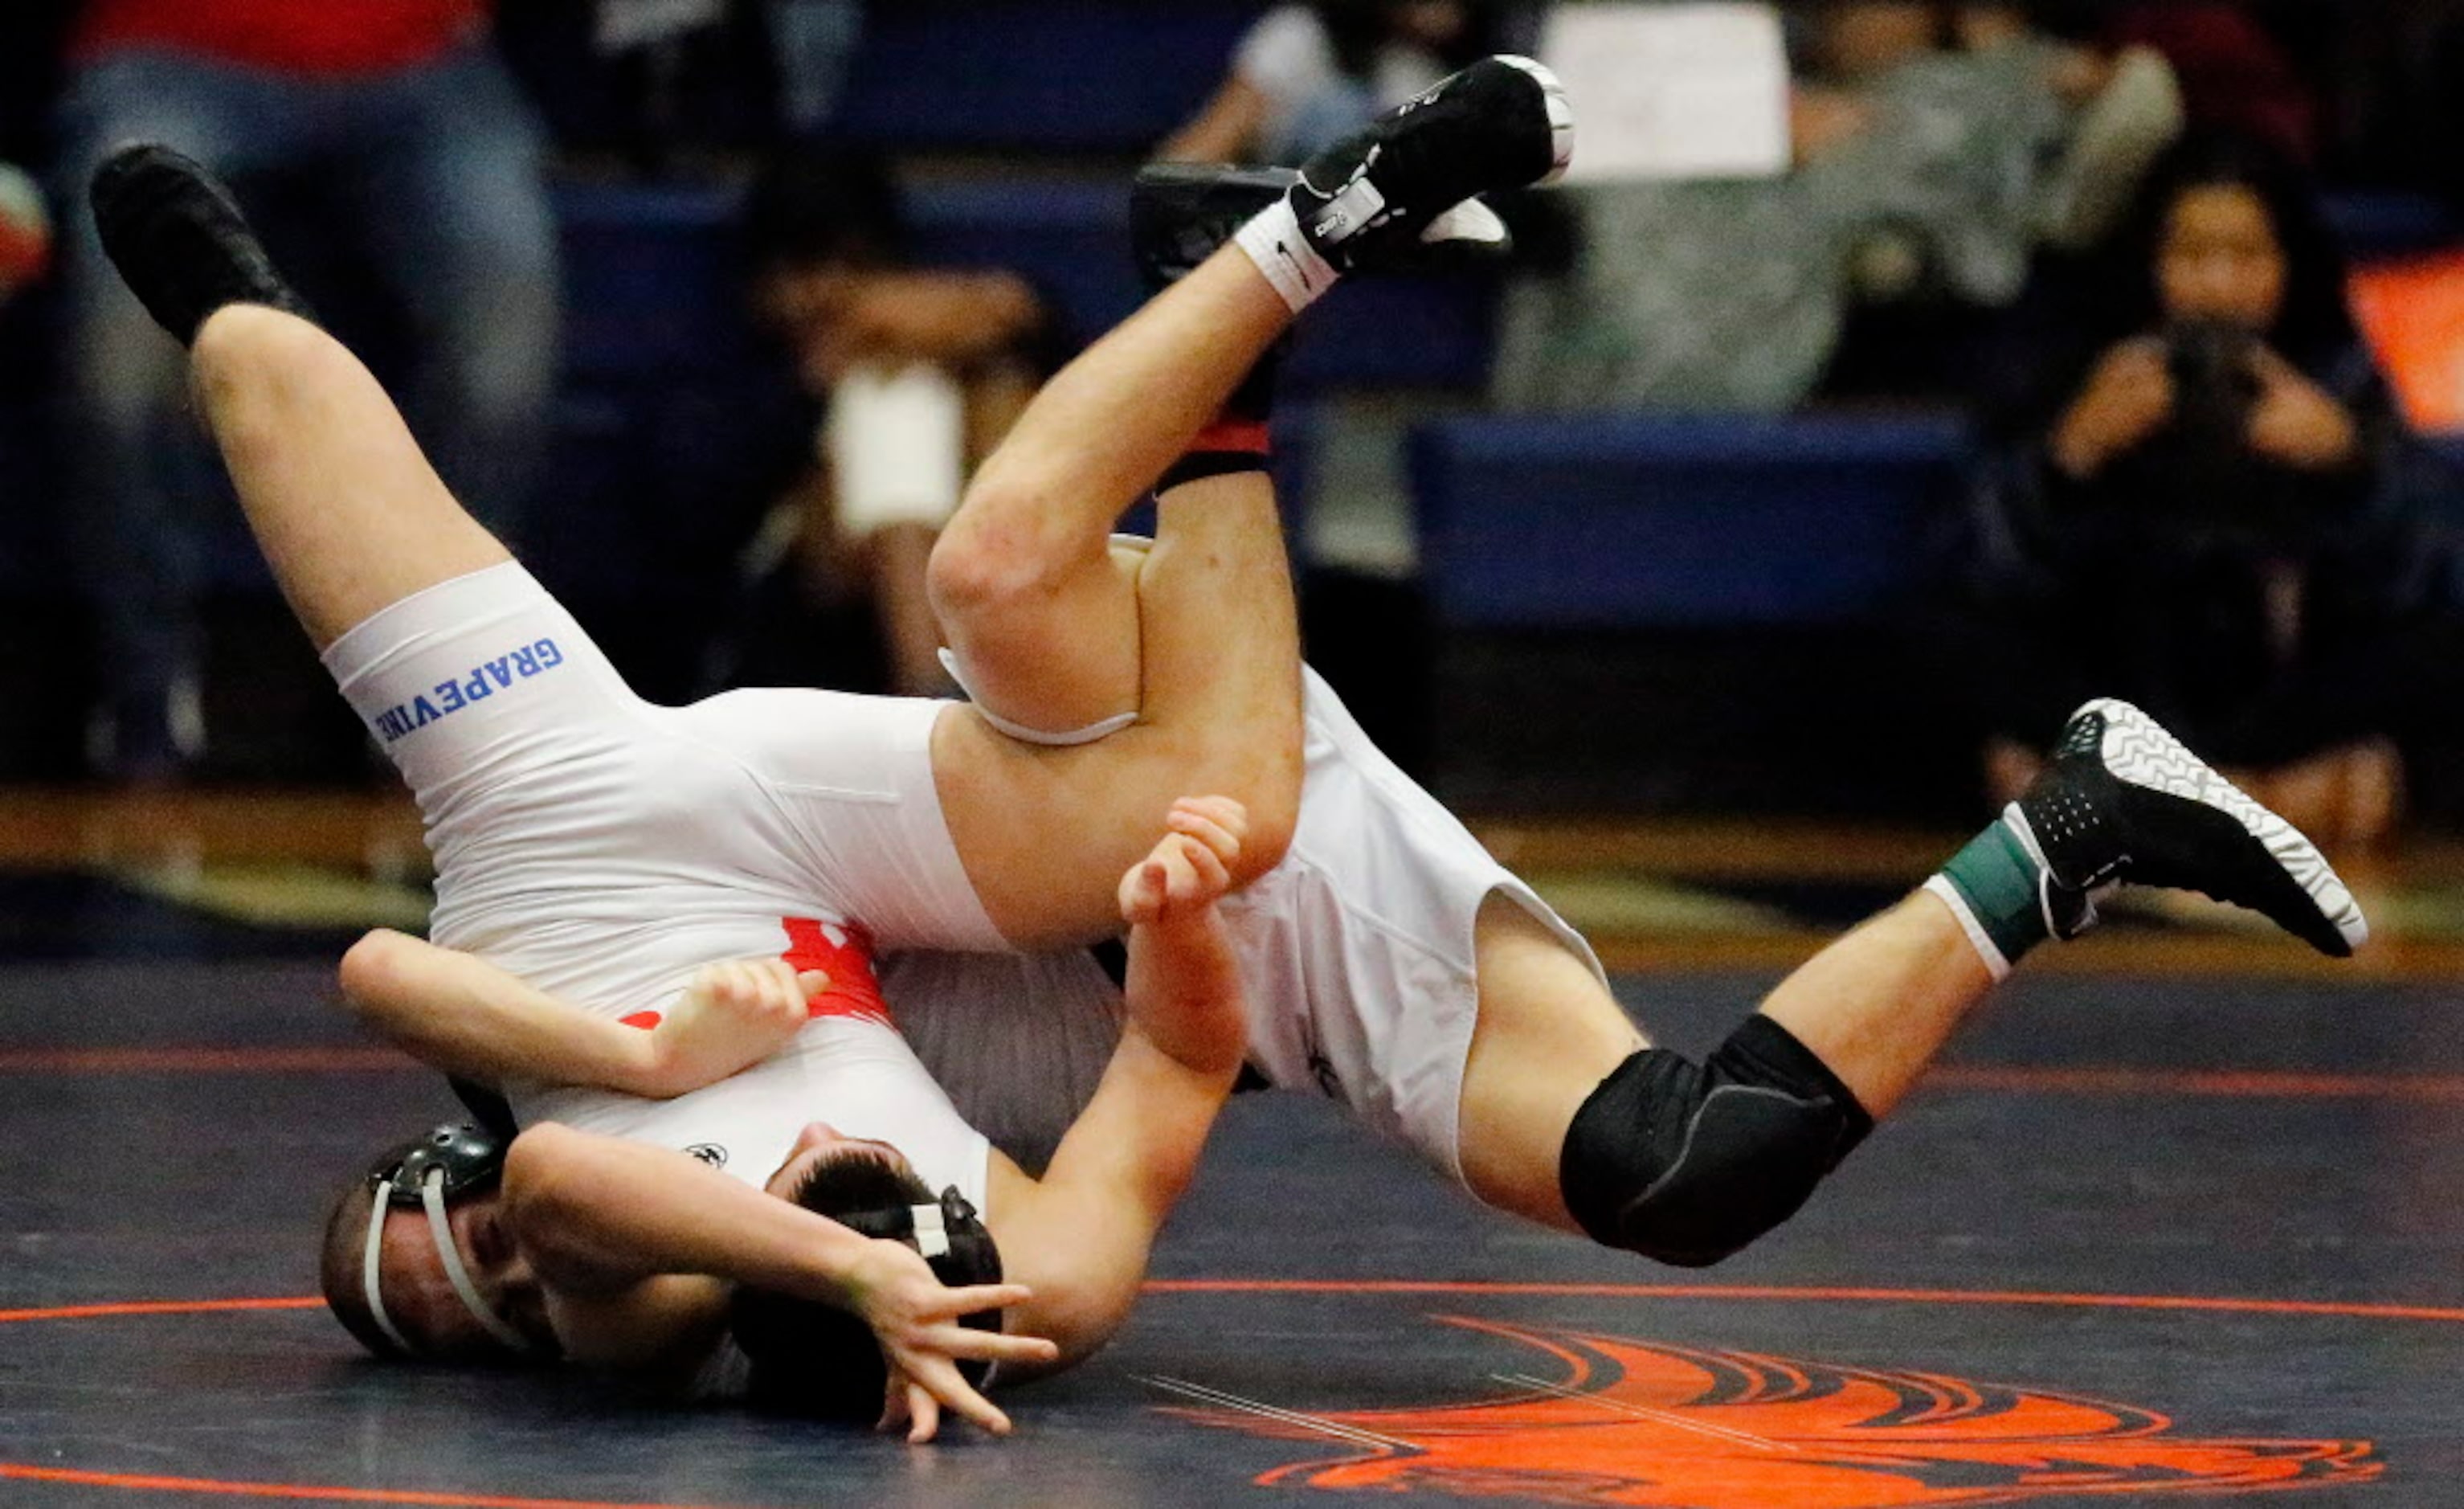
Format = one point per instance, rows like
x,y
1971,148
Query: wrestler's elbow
x,y
1264,776
371,970
1275,813
539,1173
1081,1321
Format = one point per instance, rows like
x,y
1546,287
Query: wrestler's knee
x,y
993,555
1689,1162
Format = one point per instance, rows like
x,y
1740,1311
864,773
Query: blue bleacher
x,y
2381,223
1102,76
655,281
1618,520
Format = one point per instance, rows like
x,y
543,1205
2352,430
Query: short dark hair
x,y
816,1359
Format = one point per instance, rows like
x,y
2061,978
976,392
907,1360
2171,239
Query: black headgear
x,y
455,1161
926,1228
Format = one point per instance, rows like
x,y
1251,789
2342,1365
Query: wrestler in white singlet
x,y
1356,953
606,849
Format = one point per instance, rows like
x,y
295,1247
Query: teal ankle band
x,y
1997,883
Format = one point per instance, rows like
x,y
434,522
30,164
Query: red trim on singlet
x,y
854,991
846,958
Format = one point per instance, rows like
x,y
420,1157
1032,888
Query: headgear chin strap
x,y
453,1161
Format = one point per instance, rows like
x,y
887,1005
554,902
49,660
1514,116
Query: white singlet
x,y
605,849
1356,953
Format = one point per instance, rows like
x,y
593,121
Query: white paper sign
x,y
1673,91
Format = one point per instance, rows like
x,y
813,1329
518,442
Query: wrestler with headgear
x,y
604,849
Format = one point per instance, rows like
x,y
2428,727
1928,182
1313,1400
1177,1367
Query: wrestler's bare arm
x,y
463,1015
1080,1238
637,1248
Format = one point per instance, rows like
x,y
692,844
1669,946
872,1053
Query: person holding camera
x,y
2208,505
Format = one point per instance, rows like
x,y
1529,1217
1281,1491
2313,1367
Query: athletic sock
x,y
1996,888
1273,240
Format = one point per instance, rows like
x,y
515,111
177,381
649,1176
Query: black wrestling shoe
x,y
1504,122
2123,802
1179,212
180,241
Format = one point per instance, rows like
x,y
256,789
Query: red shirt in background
x,y
301,37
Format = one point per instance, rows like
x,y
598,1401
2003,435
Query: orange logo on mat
x,y
1675,1428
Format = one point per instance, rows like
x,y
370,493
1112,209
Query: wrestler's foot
x,y
1504,122
180,241
2123,802
1179,212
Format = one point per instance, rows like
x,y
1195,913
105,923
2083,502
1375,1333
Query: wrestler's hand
x,y
915,1320
1180,882
732,1016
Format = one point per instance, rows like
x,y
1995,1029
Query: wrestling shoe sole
x,y
1561,113
2139,752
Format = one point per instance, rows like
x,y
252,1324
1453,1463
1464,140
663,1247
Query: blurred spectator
x,y
1935,147
25,232
911,375
2209,506
395,121
814,41
1305,75
2234,76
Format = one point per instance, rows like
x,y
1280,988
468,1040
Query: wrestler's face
x,y
420,1298
2220,258
818,1144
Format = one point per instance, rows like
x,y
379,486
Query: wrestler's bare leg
x,y
346,509
1875,1005
1034,605
1056,630
2120,802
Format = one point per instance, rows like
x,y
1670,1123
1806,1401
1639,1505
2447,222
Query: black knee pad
x,y
1687,1162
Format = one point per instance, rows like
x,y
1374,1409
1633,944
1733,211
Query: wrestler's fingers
x,y
949,1389
893,1401
810,983
778,980
1226,811
992,1346
951,1304
1181,882
924,1412
1206,877
1143,891
1206,830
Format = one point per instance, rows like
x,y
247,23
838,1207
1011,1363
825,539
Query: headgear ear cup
x,y
815,1360
427,1173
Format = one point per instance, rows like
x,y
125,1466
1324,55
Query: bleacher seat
x,y
1668,521
2374,225
654,281
1101,76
